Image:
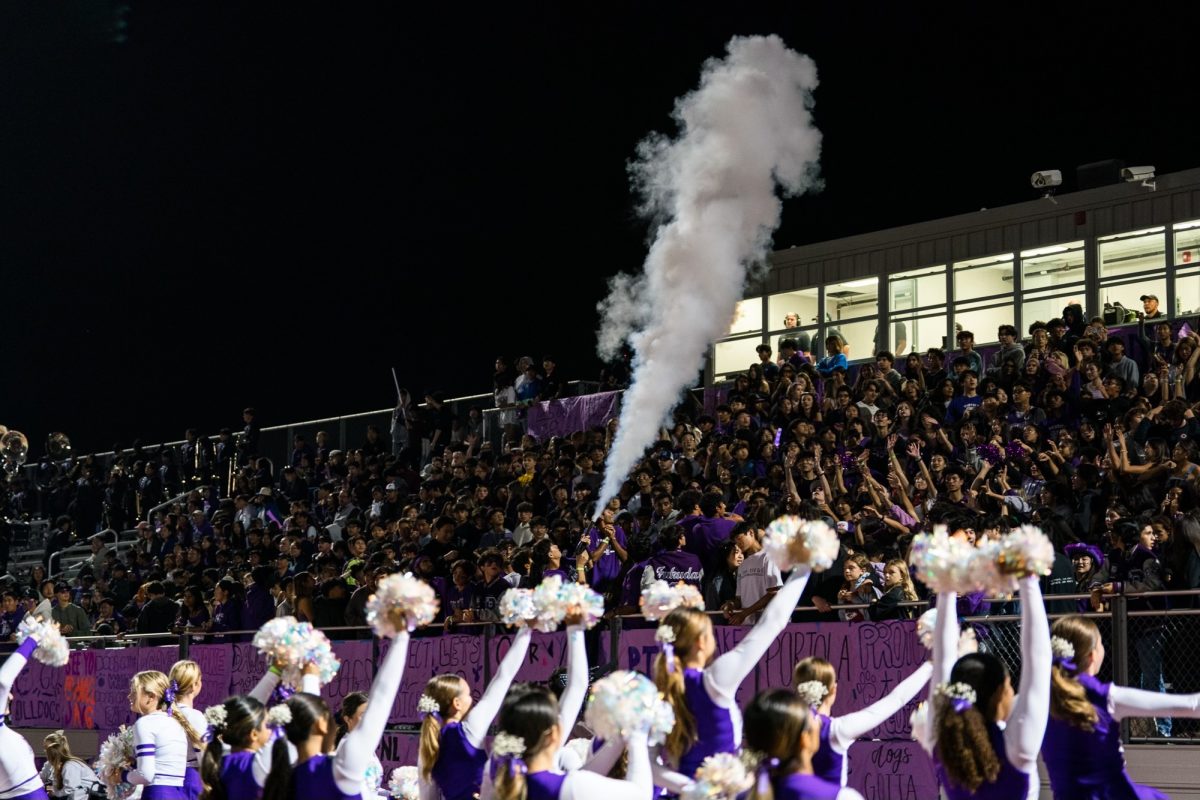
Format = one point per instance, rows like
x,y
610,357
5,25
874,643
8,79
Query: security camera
x,y
1135,174
1046,179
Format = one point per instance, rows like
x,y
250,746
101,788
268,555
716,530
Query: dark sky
x,y
270,203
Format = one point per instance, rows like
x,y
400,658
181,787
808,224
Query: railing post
x,y
184,645
614,641
488,632
1120,645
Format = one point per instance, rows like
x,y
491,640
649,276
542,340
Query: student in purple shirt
x,y
712,528
606,547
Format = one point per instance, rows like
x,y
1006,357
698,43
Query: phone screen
x,y
778,436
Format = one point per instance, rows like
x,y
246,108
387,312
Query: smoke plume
x,y
712,192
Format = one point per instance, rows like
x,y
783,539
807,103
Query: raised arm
x,y
12,668
577,683
352,760
480,717
266,685
1027,723
1126,702
945,650
638,783
844,730
724,675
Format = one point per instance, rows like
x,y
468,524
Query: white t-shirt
x,y
755,576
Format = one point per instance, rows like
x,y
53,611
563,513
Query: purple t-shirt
x,y
674,566
608,565
706,535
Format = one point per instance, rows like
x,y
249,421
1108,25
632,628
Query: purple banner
x,y
564,417
455,654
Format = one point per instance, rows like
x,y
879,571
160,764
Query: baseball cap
x,y
1145,297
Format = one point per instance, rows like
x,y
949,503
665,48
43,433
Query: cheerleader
x,y
702,694
311,730
1082,751
19,775
186,684
162,739
568,706
240,723
781,726
451,756
526,748
975,759
815,680
354,706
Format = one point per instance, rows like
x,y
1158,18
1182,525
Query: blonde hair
x,y
155,683
442,689
688,625
58,753
1069,702
186,676
909,591
815,669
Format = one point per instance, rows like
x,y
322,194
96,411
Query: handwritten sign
x,y
456,654
398,749
246,666
114,668
216,669
638,650
37,697
547,653
896,770
354,675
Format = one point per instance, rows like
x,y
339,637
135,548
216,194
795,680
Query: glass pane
x,y
783,310
1187,294
1187,243
735,356
982,277
983,322
920,334
918,288
850,299
747,316
1129,294
806,340
1137,251
1052,266
1044,309
860,336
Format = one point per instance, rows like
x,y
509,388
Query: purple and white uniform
x,y
1087,765
811,787
838,733
1017,746
340,777
586,784
161,749
19,778
458,773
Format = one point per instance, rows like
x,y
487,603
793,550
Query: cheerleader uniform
x,y
1091,765
161,748
19,777
811,787
838,733
586,785
710,692
458,773
1018,744
244,772
340,777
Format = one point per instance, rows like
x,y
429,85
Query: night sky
x,y
209,205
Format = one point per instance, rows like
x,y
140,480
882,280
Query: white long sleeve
x,y
638,784
673,781
265,686
1124,701
945,652
723,677
1027,724
479,718
577,683
161,748
604,759
843,731
12,668
354,757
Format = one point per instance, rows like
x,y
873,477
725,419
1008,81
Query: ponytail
x,y
1072,639
526,720
231,723
306,710
963,711
210,771
279,782
685,625
435,705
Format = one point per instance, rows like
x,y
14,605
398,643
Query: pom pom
x,y
812,693
116,755
216,716
401,602
1061,648
960,695
944,564
1021,553
665,634
628,702
554,601
294,645
661,598
517,607
279,715
721,777
792,541
989,453
52,649
582,748
404,785
1014,450
427,705
373,777
505,744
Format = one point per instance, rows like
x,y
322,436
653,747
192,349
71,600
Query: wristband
x,y
274,670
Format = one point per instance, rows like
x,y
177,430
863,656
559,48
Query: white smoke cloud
x,y
712,191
